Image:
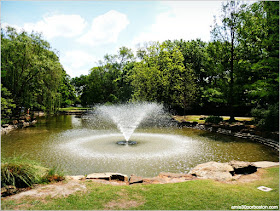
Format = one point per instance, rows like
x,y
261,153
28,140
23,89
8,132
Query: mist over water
x,y
127,117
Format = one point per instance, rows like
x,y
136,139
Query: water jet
x,y
127,117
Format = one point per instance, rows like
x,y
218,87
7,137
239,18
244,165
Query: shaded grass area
x,y
73,109
191,195
196,118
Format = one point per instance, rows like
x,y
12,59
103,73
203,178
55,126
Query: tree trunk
x,y
231,94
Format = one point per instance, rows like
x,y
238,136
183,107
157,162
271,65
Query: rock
x,y
120,177
241,167
105,176
265,164
15,122
239,164
5,125
108,176
77,177
135,179
33,122
26,124
213,170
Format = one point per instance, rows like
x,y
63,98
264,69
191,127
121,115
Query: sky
x,y
84,31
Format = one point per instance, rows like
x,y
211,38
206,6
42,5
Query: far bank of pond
x,y
77,146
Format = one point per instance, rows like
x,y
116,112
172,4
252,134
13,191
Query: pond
x,y
76,147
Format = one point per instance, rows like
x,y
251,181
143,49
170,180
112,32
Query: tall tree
x,y
227,33
30,70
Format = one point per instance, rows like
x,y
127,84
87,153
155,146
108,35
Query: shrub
x,y
267,119
213,119
53,176
22,173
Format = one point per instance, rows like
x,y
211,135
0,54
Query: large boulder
x,y
213,170
135,179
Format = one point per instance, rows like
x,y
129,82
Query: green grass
x,y
73,109
195,118
191,195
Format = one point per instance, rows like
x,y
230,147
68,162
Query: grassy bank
x,y
196,194
196,118
73,109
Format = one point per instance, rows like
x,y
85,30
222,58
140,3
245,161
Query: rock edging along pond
x,y
230,171
237,130
22,122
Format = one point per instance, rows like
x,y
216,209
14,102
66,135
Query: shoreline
x,y
238,130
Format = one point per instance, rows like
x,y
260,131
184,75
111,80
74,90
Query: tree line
x,y
236,73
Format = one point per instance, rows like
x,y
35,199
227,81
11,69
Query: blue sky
x,y
84,31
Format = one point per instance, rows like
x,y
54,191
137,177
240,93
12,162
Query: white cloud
x,y
77,62
105,28
183,20
16,27
56,26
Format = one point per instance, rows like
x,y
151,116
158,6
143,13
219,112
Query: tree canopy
x,y
234,73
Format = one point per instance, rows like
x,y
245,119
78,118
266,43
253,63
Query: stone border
x,y
230,171
236,130
22,122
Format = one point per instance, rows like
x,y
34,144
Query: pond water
x,y
76,147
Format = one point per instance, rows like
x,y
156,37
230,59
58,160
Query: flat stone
x,y
135,179
265,164
213,170
108,176
239,164
99,176
77,177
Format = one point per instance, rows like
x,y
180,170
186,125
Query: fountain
x,y
88,144
127,117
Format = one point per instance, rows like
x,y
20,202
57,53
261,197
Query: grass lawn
x,y
191,195
73,109
195,118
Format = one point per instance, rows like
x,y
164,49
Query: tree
x,y
227,33
162,77
30,70
6,102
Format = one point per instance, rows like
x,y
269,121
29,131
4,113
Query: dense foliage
x,y
31,73
237,71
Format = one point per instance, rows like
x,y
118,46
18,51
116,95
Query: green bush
x,y
267,119
22,173
213,119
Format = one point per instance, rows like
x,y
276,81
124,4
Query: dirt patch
x,y
52,190
123,201
123,204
